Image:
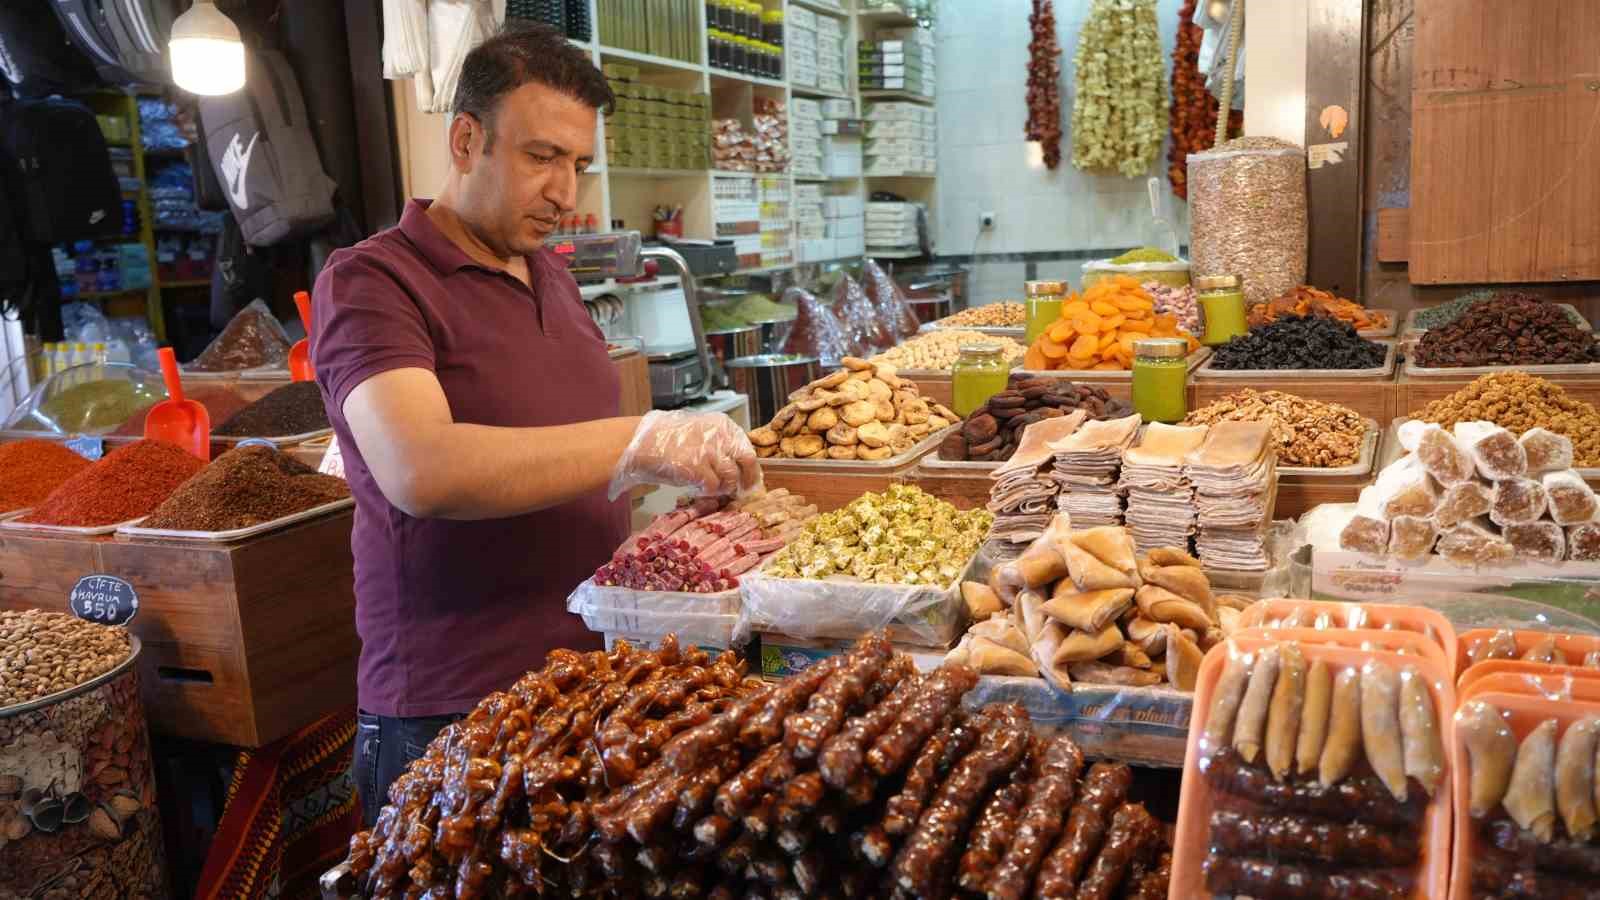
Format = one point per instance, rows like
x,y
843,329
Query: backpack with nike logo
x,y
126,39
35,55
59,171
260,143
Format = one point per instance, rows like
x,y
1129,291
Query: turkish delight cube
x,y
1365,534
1472,544
1571,499
1494,450
1517,501
1443,457
1545,541
1412,537
1404,489
1546,450
1462,503
1583,542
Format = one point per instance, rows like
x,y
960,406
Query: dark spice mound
x,y
295,408
31,469
1512,328
252,339
243,487
127,483
220,402
1300,342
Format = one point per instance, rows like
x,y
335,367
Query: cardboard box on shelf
x,y
846,227
888,111
815,250
804,108
897,146
838,109
840,205
828,81
799,17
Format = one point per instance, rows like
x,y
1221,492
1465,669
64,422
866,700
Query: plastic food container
x,y
1197,800
1174,274
926,615
711,619
1335,616
89,746
1574,646
90,399
1207,371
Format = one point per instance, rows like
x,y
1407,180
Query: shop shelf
x,y
919,175
187,283
659,173
803,91
723,75
646,59
823,8
885,17
891,253
896,95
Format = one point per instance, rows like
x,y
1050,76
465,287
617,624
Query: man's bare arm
x,y
430,466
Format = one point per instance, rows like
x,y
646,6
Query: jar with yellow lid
x,y
1044,299
980,372
1221,308
1161,379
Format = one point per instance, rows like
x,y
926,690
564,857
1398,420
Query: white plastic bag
x,y
844,609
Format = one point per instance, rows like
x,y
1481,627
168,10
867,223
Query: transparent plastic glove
x,y
705,451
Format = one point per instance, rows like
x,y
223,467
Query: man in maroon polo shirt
x,y
476,407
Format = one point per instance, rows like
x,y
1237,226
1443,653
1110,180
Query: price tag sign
x,y
105,599
90,448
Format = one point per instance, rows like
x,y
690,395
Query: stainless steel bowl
x,y
774,332
732,343
769,379
931,308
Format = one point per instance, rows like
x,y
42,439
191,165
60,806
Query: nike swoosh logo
x,y
236,165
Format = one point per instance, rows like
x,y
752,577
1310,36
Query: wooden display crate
x,y
1369,397
243,643
1416,392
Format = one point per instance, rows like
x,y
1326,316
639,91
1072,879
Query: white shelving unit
x,y
631,194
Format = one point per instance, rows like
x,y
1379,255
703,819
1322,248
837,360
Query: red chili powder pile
x,y
127,484
31,469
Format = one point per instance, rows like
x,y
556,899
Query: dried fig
x,y
842,451
856,364
859,413
854,390
808,445
877,390
843,435
874,453
783,416
797,424
766,452
884,411
874,434
821,420
937,423
764,436
814,400
831,380
786,446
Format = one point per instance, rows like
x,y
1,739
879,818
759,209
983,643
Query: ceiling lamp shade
x,y
207,53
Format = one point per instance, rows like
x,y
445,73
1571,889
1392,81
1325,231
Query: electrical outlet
x,y
985,221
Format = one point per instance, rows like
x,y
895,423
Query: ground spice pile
x,y
220,402
31,469
1508,329
127,484
1300,342
1307,432
1518,401
245,487
295,408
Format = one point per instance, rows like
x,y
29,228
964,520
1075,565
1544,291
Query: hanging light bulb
x,y
207,53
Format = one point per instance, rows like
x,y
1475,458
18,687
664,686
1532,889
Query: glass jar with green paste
x,y
1221,308
1161,379
1044,306
980,372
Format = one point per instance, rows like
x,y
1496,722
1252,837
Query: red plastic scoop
x,y
185,423
300,368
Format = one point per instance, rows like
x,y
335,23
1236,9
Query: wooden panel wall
x,y
1505,156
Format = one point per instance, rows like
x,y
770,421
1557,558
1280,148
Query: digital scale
x,y
678,375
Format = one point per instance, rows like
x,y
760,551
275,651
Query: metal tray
x,y
899,460
1415,371
1362,466
1091,376
1383,371
282,440
1388,330
1412,330
263,373
10,523
236,534
959,466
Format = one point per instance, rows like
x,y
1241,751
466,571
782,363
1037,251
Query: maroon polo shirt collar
x,y
441,252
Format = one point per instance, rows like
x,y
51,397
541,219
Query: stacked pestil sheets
x,y
1232,472
1086,466
1161,509
1023,497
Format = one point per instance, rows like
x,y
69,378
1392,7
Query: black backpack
x,y
126,39
59,171
35,55
260,143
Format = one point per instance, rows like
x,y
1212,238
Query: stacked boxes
x,y
828,226
655,127
841,153
900,139
805,137
891,226
753,212
845,225
830,55
777,234
900,59
800,46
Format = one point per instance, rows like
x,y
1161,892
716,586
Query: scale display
x,y
599,256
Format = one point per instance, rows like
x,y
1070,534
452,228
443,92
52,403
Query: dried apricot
x,y
1103,307
1086,322
1112,322
1034,358
1084,346
1050,348
1060,332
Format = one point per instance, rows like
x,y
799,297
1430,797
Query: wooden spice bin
x,y
243,642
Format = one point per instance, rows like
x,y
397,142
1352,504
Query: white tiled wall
x,y
984,163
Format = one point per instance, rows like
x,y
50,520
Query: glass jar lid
x,y
981,350
1045,288
1161,348
1215,282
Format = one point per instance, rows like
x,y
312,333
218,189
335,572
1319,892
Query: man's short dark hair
x,y
518,55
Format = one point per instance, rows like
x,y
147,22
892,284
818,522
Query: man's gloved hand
x,y
705,451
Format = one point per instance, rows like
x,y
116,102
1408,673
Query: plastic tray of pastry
x,y
1091,376
898,461
1383,371
843,608
1199,800
1573,647
1286,612
236,534
1521,708
1362,466
1411,329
